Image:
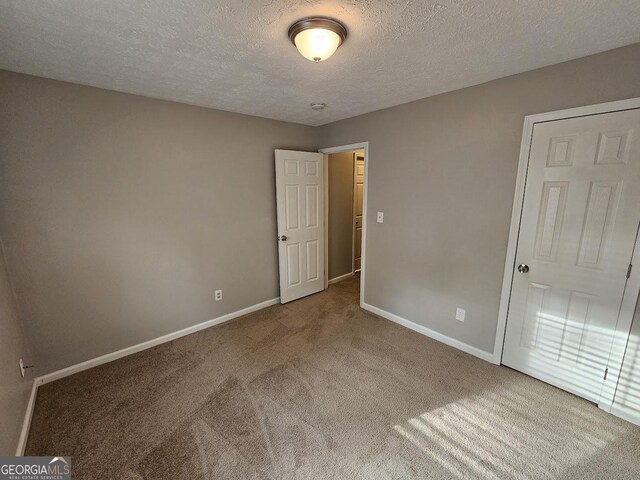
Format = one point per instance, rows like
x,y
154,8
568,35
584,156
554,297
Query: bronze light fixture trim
x,y
317,38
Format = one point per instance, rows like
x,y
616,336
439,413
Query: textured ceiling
x,y
236,56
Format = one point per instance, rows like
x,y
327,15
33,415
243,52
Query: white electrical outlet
x,y
380,217
460,314
218,295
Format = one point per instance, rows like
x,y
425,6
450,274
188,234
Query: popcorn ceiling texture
x,y
235,55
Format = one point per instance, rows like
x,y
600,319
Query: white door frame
x,y
338,149
516,213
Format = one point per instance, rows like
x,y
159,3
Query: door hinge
x,y
629,270
606,371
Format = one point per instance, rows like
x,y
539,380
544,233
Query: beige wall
x,y
116,214
340,231
114,208
14,390
443,172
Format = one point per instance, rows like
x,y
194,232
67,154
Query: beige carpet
x,y
321,389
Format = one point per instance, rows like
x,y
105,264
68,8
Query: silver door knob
x,y
523,268
283,238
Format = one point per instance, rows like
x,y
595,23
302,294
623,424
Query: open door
x,y
300,209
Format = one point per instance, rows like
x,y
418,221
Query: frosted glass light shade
x,y
317,44
317,38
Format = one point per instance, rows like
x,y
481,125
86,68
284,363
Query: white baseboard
x,y
340,278
476,352
65,372
626,414
24,433
110,357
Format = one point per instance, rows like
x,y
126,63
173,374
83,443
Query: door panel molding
x,y
560,155
299,208
518,200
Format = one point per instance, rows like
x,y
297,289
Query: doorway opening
x,y
302,207
345,213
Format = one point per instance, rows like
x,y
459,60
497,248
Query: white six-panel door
x,y
579,222
300,209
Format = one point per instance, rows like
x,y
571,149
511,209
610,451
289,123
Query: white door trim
x,y
338,149
516,213
620,344
354,157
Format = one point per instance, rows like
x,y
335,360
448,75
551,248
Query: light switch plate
x,y
460,314
380,217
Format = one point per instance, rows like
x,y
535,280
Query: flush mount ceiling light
x,y
318,106
317,38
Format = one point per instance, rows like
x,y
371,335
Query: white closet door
x,y
579,222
